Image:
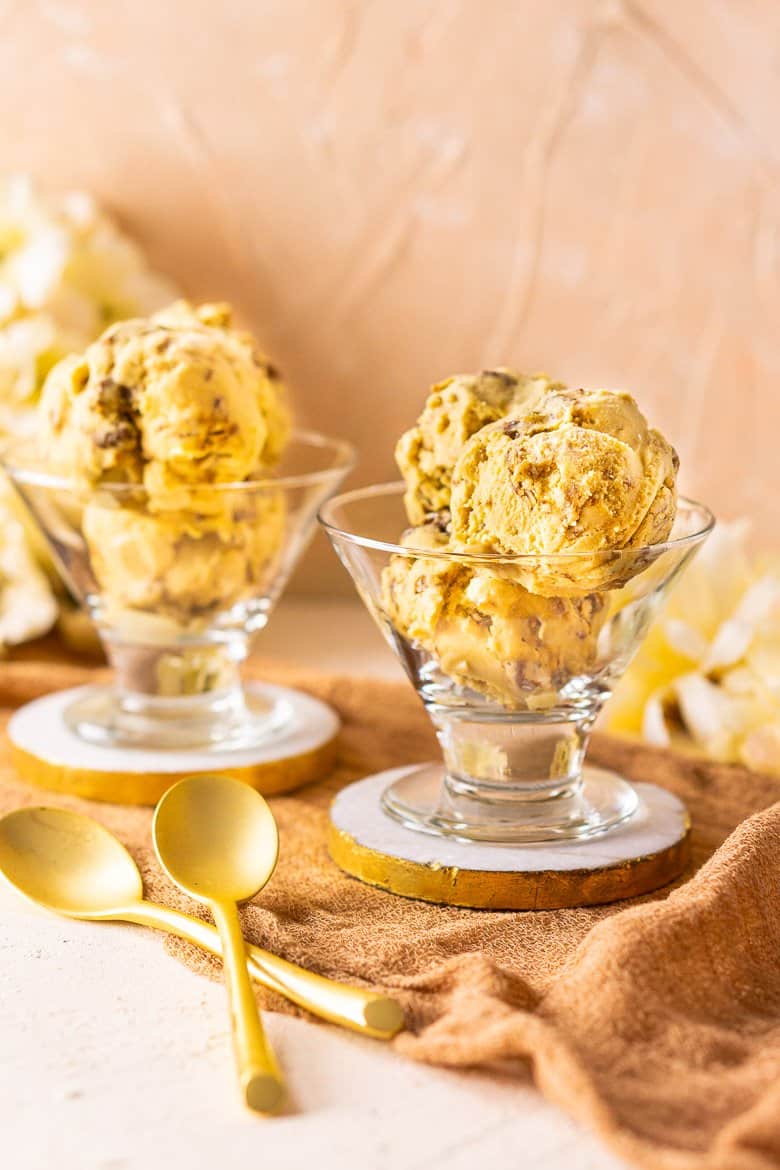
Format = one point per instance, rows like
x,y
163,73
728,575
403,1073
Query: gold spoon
x,y
72,865
217,840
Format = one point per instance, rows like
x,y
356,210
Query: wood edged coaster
x,y
47,753
647,851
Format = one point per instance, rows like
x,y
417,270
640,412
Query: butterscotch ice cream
x,y
176,399
580,471
182,565
176,406
485,631
504,466
454,411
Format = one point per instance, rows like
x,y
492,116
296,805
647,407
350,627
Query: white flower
x,y
28,606
710,665
66,271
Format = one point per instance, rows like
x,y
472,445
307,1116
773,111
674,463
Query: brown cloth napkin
x,y
655,1022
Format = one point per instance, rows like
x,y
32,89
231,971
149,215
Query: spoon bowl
x,y
67,863
216,838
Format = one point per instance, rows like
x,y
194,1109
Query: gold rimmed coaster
x,y
648,851
46,753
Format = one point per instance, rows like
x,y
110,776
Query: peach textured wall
x,y
392,190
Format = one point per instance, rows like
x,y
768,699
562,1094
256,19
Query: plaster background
x,y
393,190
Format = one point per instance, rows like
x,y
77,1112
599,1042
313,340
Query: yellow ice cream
x,y
169,401
518,467
182,565
580,471
455,410
177,404
484,630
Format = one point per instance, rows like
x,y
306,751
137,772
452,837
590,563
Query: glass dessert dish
x,y
513,658
177,584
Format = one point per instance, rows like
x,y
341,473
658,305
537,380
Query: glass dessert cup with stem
x,y
177,584
512,679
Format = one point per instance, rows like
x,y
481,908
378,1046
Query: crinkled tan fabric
x,y
656,1023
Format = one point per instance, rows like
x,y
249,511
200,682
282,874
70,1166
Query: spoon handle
x,y
351,1007
258,1073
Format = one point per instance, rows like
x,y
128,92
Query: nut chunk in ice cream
x,y
455,410
580,471
485,631
178,405
176,399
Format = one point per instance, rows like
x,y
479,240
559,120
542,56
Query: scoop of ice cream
x,y
179,404
484,630
580,471
171,401
455,410
184,565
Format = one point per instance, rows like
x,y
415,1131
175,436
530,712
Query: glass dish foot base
x,y
421,800
242,718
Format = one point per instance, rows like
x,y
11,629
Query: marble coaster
x,y
45,752
648,850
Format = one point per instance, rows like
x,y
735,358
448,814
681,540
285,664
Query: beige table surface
x,y
115,1057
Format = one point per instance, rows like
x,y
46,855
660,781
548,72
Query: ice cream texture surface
x,y
171,401
184,408
486,631
185,565
454,410
551,483
579,471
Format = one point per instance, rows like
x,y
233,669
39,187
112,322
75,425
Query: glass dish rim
x,y
395,487
346,458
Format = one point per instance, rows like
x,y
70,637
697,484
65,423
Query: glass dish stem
x,y
173,696
519,757
511,778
